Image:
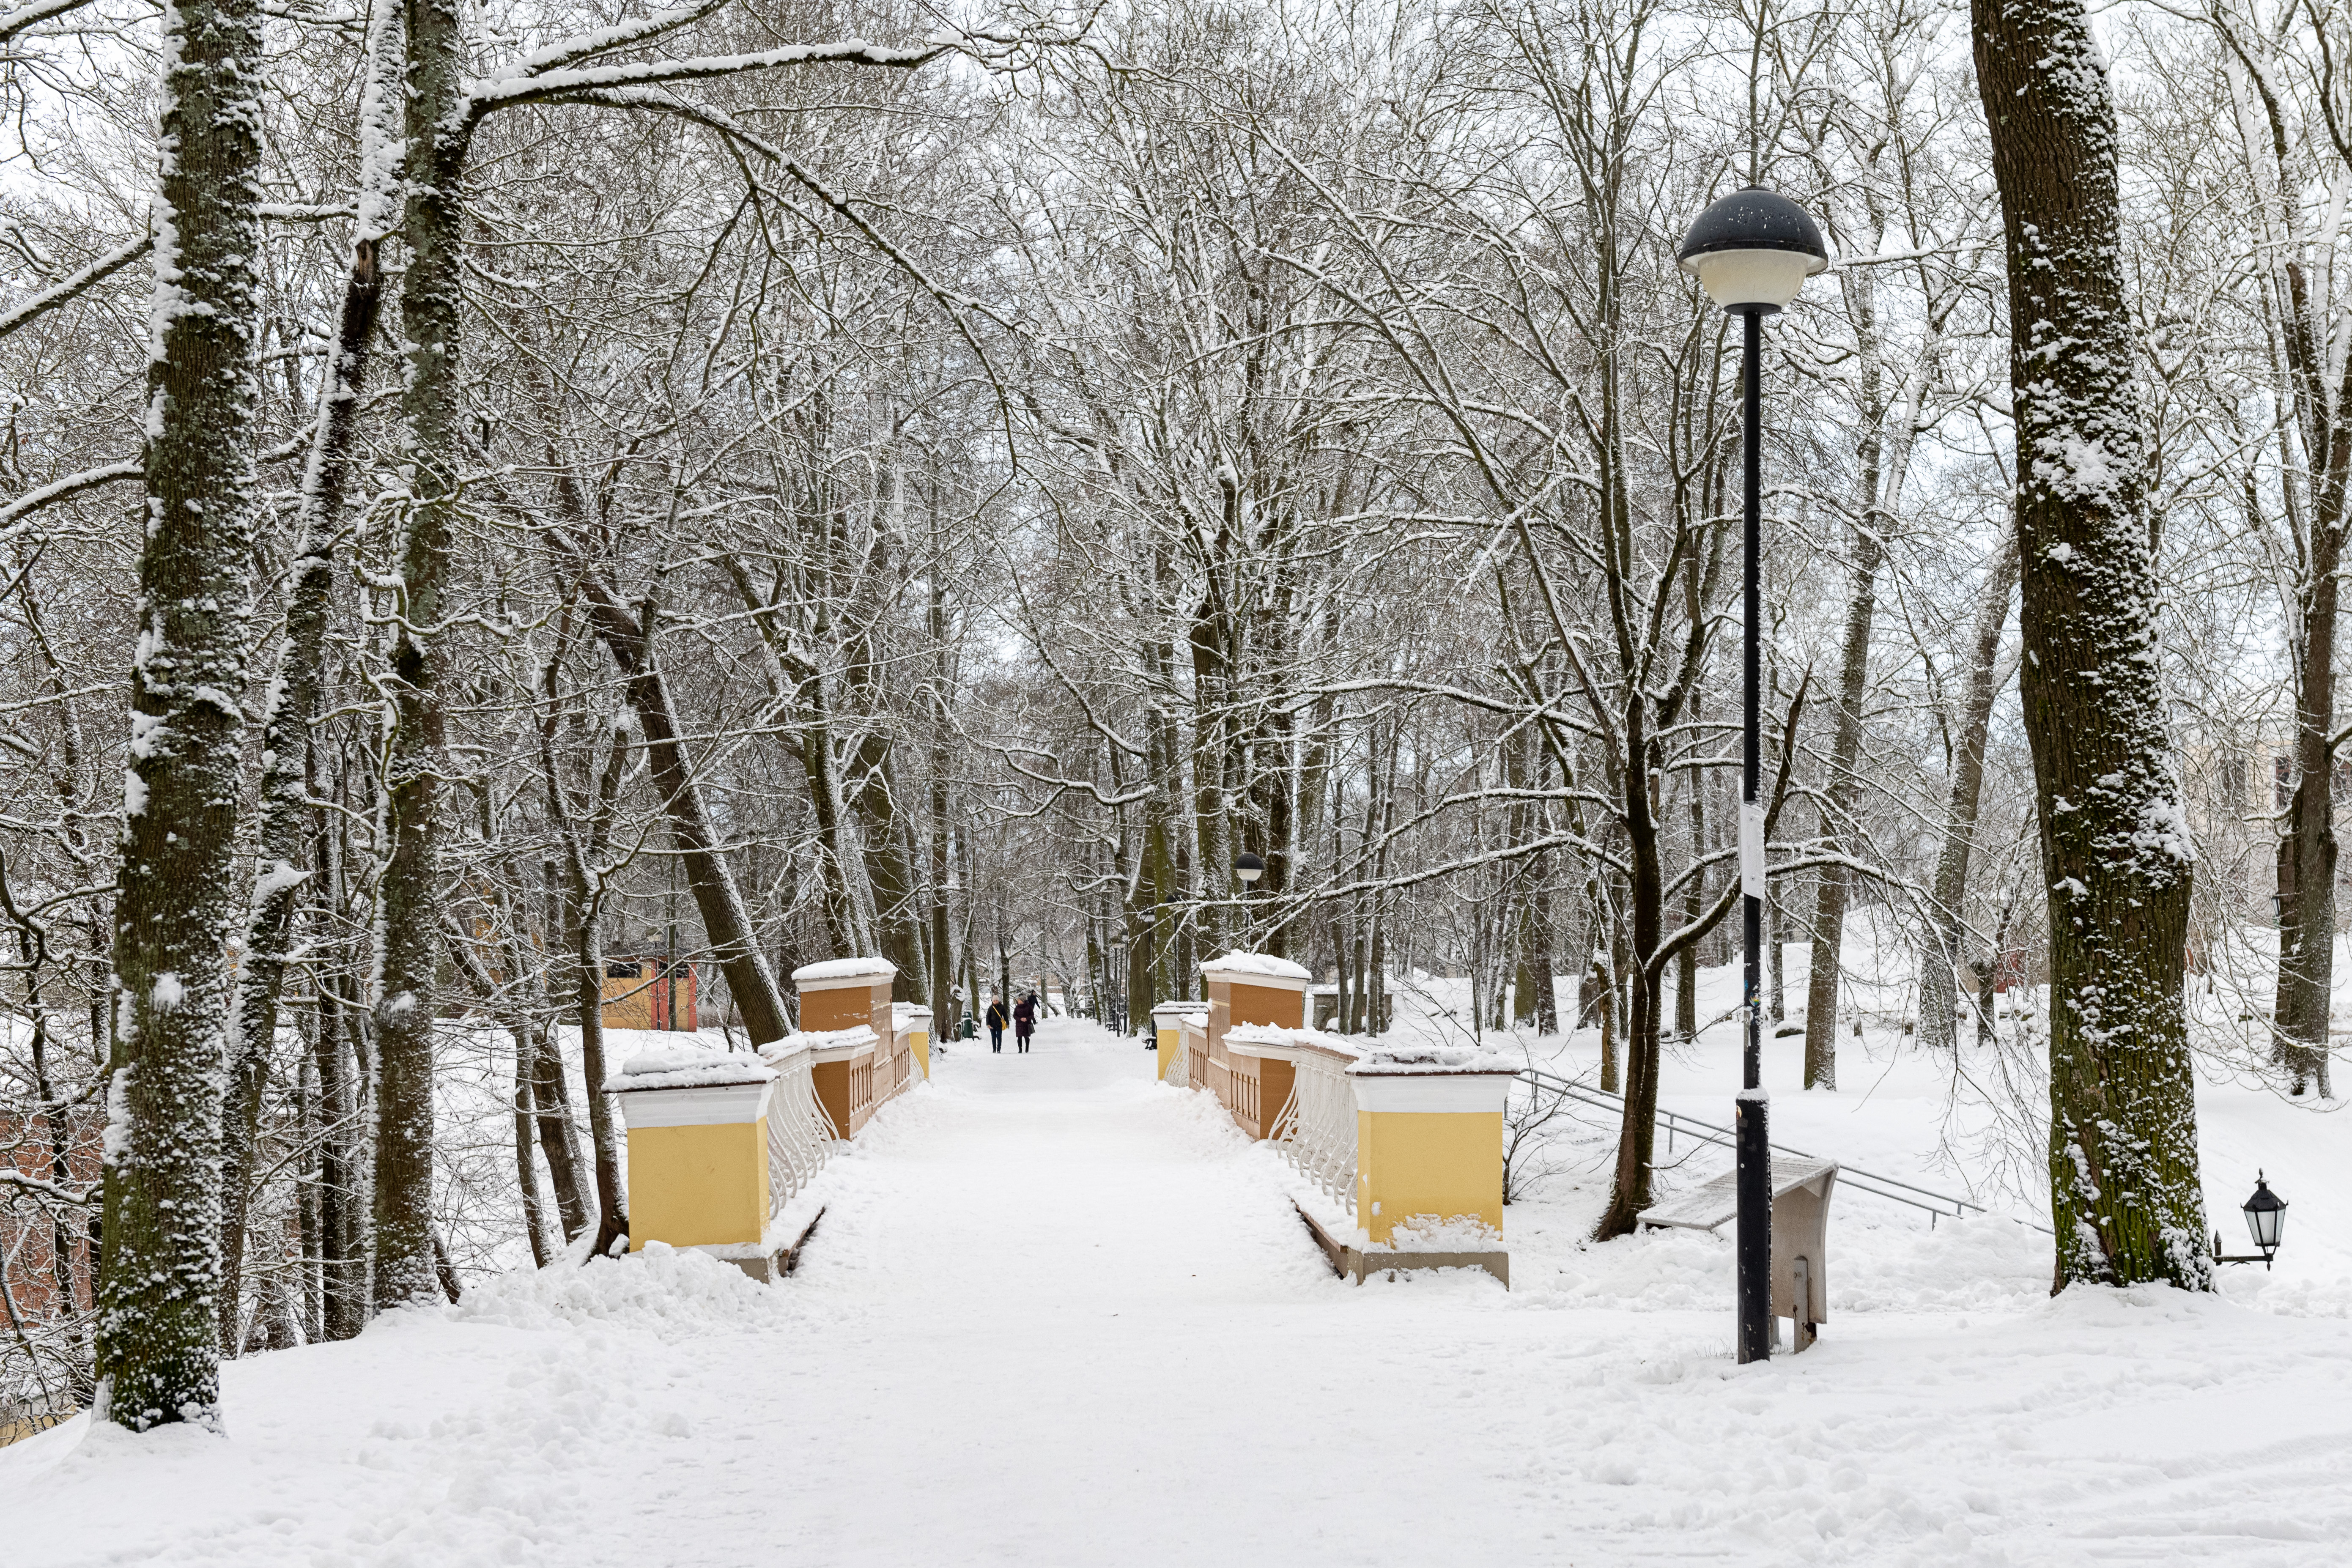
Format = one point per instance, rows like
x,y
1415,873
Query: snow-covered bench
x,y
1800,1218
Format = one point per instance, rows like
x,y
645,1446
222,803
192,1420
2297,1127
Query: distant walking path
x,y
1056,1314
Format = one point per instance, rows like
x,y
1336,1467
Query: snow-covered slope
x,y
1058,1314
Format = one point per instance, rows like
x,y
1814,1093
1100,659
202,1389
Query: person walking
x,y
1025,1021
997,1018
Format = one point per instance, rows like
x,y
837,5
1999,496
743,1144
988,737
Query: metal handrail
x,y
1870,1182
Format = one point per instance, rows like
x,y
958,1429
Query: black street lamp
x,y
2265,1214
1751,251
1249,868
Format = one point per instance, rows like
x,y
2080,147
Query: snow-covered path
x,y
1058,1315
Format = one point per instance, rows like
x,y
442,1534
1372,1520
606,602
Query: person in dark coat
x,y
1024,1020
997,1018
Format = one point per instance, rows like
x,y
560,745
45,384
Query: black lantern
x,y
2265,1216
2265,1219
1248,868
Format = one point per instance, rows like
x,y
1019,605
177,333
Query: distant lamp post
x,y
1249,868
2265,1214
1751,251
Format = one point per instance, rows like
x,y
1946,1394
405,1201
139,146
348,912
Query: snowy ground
x,y
1057,1314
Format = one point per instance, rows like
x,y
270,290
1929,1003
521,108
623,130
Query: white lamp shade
x,y
1734,278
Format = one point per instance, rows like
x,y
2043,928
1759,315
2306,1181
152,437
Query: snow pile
x,y
856,1037
845,969
1240,963
903,1015
687,1067
1389,1056
1442,1233
1288,1039
663,1289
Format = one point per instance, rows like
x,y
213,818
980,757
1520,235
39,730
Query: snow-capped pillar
x,y
846,994
1166,1026
914,1023
1255,988
1429,1149
697,1147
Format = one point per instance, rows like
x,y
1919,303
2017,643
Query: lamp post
x,y
1751,251
1249,868
2265,1214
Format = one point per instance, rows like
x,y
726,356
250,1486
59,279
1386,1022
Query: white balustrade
x,y
800,1138
1316,1130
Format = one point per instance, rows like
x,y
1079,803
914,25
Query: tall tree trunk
x,y
942,970
308,1192
1630,1191
873,780
285,764
1845,791
158,1353
725,923
583,857
342,1272
408,892
1694,905
2125,1200
1939,955
557,1137
2303,307
1597,977
2307,893
534,1204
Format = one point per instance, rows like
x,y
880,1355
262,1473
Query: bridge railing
x,y
1936,1205
1316,1128
1405,1141
721,1143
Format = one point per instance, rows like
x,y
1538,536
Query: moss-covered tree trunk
x,y
409,892
2124,1196
157,1350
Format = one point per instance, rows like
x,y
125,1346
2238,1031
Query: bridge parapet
x,y
722,1143
1404,1140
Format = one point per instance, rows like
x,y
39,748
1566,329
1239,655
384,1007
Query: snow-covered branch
x,y
583,83
12,516
64,289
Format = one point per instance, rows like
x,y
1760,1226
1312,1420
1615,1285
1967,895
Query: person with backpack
x,y
997,1018
1025,1021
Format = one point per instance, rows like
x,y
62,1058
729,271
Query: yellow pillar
x,y
698,1154
1166,1029
1429,1156
914,1024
